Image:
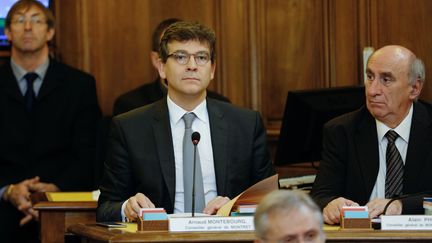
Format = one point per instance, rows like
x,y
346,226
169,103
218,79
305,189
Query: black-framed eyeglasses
x,y
35,20
182,58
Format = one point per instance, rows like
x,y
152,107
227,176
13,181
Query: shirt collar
x,y
19,72
176,112
403,129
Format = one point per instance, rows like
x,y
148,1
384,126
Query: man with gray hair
x,y
288,216
383,150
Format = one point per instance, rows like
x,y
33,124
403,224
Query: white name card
x,y
241,223
406,222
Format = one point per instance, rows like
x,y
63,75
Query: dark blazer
x,y
147,94
55,142
141,156
350,158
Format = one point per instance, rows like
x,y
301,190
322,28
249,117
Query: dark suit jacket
x,y
147,94
141,156
57,140
350,158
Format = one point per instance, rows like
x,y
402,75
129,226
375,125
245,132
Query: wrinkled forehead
x,y
395,60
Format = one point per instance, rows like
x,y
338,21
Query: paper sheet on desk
x,y
130,227
328,227
252,195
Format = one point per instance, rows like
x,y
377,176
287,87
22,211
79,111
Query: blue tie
x,y
30,94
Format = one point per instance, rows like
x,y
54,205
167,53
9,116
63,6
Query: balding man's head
x,y
402,59
394,79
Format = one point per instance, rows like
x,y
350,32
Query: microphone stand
x,y
423,193
193,181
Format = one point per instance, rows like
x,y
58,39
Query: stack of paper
x,y
153,214
358,212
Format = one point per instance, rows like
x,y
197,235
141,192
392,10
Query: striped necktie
x,y
395,167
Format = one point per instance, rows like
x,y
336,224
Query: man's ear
x,y
8,34
154,57
416,89
161,69
50,34
213,68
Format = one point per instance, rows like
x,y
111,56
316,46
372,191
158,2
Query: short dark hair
x,y
186,31
158,31
27,4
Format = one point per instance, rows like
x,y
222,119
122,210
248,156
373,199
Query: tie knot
x,y
30,77
391,136
188,118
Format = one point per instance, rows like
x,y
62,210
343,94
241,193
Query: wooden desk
x,y
56,217
92,233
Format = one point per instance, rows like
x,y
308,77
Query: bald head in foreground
x,y
288,216
380,151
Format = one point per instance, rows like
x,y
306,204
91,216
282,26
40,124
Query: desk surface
x,y
94,233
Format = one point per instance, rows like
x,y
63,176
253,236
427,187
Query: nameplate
x,y
406,222
242,223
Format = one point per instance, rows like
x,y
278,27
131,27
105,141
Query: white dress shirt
x,y
403,129
201,124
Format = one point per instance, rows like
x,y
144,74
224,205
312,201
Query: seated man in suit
x,y
288,216
384,149
156,90
146,165
48,117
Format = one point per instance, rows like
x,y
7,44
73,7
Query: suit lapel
x,y
219,137
419,146
53,78
164,145
366,142
10,84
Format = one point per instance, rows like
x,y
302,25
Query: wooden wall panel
x,y
293,51
345,63
234,51
112,39
265,47
69,37
405,23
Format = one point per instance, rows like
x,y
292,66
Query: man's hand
x,y
29,215
214,205
43,187
331,212
135,203
19,196
376,207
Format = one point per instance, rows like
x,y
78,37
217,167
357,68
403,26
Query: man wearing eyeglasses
x,y
48,117
156,90
147,158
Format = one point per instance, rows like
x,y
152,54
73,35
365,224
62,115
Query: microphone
x,y
195,140
423,193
